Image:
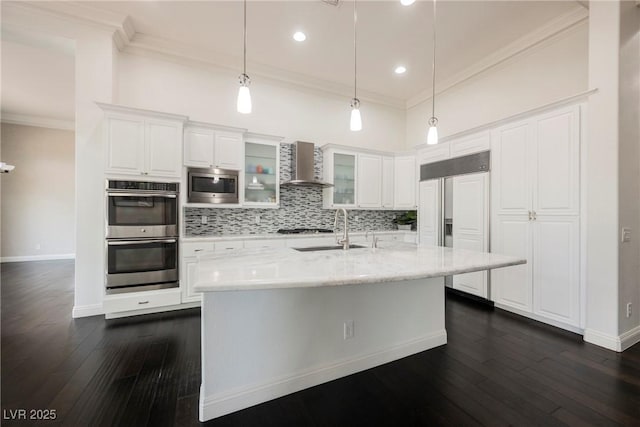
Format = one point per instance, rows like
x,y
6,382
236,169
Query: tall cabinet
x,y
536,215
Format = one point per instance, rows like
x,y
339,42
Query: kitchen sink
x,y
326,248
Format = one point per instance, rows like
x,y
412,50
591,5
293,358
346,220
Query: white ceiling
x,y
38,77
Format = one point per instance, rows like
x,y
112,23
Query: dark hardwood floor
x,y
497,369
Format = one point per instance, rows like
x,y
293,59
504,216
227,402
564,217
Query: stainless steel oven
x,y
142,209
141,244
141,264
212,185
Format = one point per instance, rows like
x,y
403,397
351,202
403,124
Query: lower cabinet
x,y
133,301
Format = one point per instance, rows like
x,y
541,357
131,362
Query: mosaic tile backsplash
x,y
299,207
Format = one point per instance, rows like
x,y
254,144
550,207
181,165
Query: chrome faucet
x,y
345,235
374,239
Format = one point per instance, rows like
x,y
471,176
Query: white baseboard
x,y
37,257
87,310
218,405
616,343
541,319
152,310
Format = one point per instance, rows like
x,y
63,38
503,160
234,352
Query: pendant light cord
x,y
433,84
244,54
355,50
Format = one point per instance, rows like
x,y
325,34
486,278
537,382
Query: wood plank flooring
x,y
497,369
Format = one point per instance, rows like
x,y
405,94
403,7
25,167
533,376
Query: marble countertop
x,y
228,237
253,269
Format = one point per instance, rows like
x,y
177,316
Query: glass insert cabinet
x,y
261,173
339,168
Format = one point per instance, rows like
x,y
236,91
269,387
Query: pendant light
x,y
432,136
356,119
244,96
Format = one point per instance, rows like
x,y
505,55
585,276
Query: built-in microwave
x,y
212,185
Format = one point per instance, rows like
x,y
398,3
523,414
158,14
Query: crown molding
x,y
123,109
193,55
558,26
38,121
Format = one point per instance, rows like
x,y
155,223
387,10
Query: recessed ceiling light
x,y
299,36
407,2
400,69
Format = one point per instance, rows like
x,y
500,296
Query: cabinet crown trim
x,y
195,124
113,108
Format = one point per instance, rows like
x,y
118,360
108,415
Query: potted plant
x,y
406,220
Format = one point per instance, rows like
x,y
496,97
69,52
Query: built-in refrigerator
x,y
454,212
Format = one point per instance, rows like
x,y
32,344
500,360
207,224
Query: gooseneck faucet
x,y
345,235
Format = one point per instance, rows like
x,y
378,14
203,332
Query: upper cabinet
x,y
368,179
211,146
261,171
339,169
457,147
405,182
139,142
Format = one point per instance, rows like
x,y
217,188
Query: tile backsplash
x,y
299,207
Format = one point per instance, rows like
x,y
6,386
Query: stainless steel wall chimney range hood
x,y
302,166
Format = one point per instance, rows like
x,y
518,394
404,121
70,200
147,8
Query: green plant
x,y
409,217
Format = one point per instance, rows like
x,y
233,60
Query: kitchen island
x,y
280,320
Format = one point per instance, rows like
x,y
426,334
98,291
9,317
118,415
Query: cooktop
x,y
304,230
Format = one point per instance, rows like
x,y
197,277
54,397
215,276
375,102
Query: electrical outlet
x,y
257,219
626,235
204,219
348,329
628,309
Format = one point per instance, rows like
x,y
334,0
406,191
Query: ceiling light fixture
x,y
356,119
299,36
400,69
407,2
432,136
244,96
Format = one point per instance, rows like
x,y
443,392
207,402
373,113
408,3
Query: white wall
x,y
553,70
209,95
629,158
38,197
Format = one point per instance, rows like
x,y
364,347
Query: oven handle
x,y
138,242
166,195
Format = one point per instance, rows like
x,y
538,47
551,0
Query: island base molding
x,y
264,344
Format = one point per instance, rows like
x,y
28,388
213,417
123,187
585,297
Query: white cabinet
x,y
429,216
136,144
388,179
433,153
339,169
119,304
369,181
261,171
206,146
535,192
470,226
405,182
470,144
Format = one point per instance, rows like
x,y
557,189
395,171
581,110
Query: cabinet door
x,y
510,166
433,153
470,224
405,182
228,150
429,213
344,180
387,182
556,289
163,141
369,181
198,147
189,274
125,145
470,144
512,286
556,160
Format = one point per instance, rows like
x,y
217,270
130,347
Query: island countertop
x,y
254,269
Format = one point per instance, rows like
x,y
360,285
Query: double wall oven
x,y
141,236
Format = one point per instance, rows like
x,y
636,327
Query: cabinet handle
x,y
198,250
143,302
535,216
530,216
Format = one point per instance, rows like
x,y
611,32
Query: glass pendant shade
x,y
244,97
356,119
432,136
